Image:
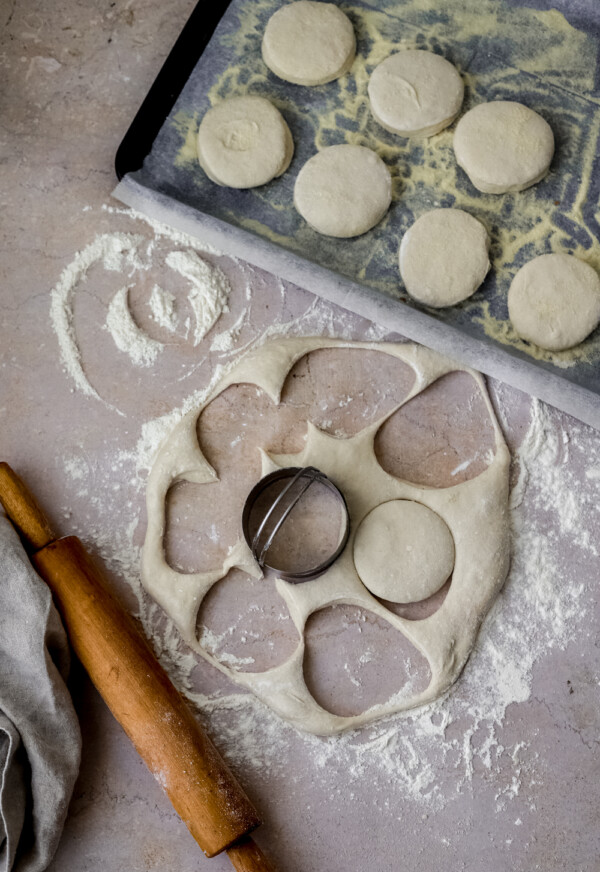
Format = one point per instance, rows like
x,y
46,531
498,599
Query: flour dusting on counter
x,y
432,755
128,337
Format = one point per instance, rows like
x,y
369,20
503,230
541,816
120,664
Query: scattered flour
x,y
129,254
210,289
162,306
431,755
428,756
117,252
128,337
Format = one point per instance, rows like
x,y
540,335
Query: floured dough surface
x,y
475,511
309,43
343,191
403,552
244,142
503,146
415,93
554,301
444,257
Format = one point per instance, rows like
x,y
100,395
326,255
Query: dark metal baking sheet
x,y
504,50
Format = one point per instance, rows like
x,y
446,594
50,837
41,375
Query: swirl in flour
x,y
130,255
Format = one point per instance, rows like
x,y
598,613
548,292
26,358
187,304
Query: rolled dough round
x,y
403,551
309,43
244,142
444,257
503,146
343,190
415,93
554,301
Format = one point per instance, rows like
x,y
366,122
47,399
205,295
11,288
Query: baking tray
x,y
513,50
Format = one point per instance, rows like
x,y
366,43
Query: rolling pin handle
x,y
22,509
246,856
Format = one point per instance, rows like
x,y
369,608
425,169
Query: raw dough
x,y
403,552
343,190
554,301
415,93
244,142
444,257
476,512
309,43
503,146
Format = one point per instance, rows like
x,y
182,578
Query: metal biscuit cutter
x,y
274,515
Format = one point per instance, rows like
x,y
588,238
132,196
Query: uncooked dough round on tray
x,y
244,142
554,301
343,190
403,552
474,511
415,93
503,146
444,257
309,43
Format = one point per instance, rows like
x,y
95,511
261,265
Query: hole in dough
x,y
245,624
403,551
355,660
343,390
440,438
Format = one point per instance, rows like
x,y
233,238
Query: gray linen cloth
x,y
40,740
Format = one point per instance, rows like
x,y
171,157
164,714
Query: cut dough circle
x,y
554,301
309,43
503,146
244,142
415,93
403,551
343,190
444,257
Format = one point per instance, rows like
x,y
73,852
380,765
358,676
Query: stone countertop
x,y
519,793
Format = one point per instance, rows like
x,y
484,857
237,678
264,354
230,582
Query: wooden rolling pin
x,y
121,664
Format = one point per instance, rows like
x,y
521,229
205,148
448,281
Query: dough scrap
x,y
476,512
415,93
503,146
244,142
444,257
554,301
309,43
403,552
343,190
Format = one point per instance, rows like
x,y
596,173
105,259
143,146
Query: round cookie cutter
x,y
274,515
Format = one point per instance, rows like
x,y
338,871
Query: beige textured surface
x,y
309,43
503,146
415,93
444,257
403,552
244,142
554,301
343,190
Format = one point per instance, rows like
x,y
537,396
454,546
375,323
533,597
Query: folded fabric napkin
x,y
40,740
